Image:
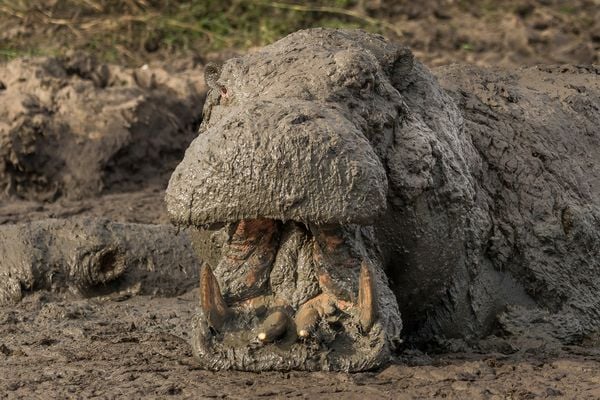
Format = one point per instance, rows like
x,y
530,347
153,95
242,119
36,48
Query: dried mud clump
x,y
73,127
90,257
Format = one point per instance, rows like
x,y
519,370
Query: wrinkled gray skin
x,y
532,237
480,202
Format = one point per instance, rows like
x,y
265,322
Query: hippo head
x,y
281,189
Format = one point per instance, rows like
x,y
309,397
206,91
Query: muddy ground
x,y
122,346
137,348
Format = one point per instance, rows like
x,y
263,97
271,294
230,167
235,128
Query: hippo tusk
x,y
211,299
367,308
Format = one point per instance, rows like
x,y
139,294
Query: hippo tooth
x,y
306,320
273,327
211,299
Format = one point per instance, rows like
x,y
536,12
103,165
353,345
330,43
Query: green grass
x,y
137,31
566,9
467,47
130,30
8,53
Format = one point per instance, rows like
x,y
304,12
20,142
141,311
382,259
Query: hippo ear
x,y
401,68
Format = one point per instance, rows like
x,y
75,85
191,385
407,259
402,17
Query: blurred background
x,y
134,32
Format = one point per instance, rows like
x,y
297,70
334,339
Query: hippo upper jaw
x,y
299,161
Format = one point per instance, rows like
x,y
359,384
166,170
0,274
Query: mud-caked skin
x,y
287,161
335,183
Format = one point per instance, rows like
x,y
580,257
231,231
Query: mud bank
x,y
72,127
91,257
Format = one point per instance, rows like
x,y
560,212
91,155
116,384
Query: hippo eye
x,y
362,84
367,87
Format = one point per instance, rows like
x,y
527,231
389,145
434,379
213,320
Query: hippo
x,y
345,199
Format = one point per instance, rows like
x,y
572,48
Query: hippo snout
x,y
294,160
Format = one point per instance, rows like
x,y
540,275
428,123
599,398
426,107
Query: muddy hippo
x,y
335,184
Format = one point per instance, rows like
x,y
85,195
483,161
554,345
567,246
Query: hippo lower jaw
x,y
285,297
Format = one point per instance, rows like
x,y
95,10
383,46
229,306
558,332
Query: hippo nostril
x,y
109,265
300,119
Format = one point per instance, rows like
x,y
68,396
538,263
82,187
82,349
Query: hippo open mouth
x,y
281,295
282,188
282,196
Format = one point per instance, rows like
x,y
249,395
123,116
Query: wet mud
x,y
91,257
73,127
139,347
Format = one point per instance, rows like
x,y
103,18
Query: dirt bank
x,y
73,128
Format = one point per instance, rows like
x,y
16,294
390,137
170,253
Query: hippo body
x,y
337,184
